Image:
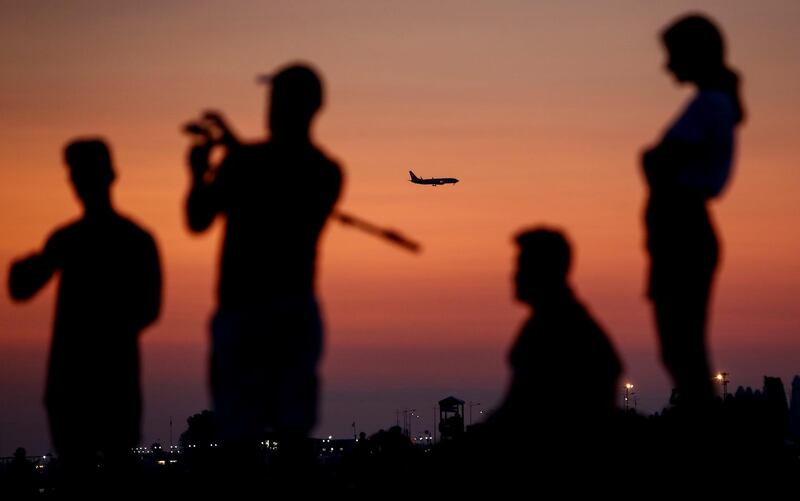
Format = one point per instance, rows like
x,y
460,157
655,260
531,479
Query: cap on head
x,y
296,87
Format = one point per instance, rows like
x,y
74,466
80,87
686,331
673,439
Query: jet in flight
x,y
433,181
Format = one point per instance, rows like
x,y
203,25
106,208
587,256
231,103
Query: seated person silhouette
x,y
564,368
276,196
109,290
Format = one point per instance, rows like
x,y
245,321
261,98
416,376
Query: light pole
x,y
628,393
471,405
408,414
722,378
435,409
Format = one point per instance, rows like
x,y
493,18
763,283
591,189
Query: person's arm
x,y
661,162
203,202
151,285
682,145
28,275
331,190
335,190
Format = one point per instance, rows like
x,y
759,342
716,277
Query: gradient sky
x,y
540,108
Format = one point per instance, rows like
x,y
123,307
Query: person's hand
x,y
200,151
198,159
222,132
210,131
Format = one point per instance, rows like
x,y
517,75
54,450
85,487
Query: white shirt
x,y
708,122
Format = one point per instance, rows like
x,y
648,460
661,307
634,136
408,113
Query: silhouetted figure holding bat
x,y
276,197
109,291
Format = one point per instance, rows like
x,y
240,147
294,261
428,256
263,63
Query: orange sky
x,y
540,110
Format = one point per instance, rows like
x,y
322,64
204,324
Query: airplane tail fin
x,y
413,177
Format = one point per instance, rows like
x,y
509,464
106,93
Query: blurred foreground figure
x,y
558,417
560,347
686,169
109,291
267,333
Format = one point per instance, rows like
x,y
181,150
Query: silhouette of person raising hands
x,y
560,345
686,169
275,196
109,291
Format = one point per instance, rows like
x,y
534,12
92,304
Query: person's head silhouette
x,y
696,54
91,172
296,97
695,48
542,265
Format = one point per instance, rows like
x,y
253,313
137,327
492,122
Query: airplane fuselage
x,y
432,181
436,181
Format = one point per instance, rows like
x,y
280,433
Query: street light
x,y
722,378
628,393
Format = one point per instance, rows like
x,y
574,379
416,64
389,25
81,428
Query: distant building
x,y
776,406
331,450
794,410
451,418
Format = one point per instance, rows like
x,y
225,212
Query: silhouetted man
x,y
109,291
18,480
564,368
275,196
558,411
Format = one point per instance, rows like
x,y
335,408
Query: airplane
x,y
433,181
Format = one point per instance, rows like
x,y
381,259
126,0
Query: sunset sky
x,y
541,109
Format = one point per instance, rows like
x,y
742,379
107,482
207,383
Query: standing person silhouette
x,y
109,291
275,196
686,169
